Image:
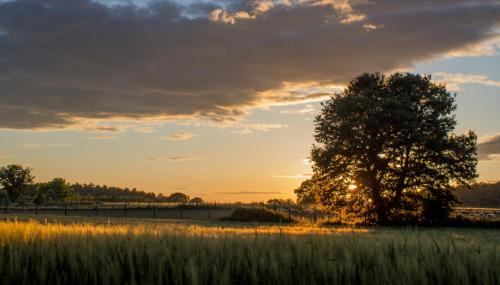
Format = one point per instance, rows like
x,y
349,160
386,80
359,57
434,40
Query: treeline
x,y
481,195
91,192
17,185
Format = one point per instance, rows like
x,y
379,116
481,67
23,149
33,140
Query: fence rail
x,y
204,211
129,210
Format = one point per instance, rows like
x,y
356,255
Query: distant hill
x,y
481,195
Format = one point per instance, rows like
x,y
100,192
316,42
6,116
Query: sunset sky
x,y
217,98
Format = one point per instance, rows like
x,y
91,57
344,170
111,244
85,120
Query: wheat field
x,y
118,251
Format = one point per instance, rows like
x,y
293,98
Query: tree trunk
x,y
379,205
382,218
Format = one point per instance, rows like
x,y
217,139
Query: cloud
x,y
117,126
180,136
104,129
489,148
173,158
298,176
65,63
485,48
101,137
239,127
307,109
250,128
455,80
37,145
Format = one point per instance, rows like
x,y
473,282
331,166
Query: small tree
x,y
15,178
178,198
277,201
385,149
55,190
196,201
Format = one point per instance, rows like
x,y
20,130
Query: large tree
x,y
307,192
14,179
385,149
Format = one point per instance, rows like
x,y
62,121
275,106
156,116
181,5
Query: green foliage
x,y
55,190
14,179
391,138
178,198
262,215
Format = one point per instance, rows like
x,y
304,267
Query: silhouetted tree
x,y
196,201
91,192
277,201
178,198
385,149
55,190
4,197
14,179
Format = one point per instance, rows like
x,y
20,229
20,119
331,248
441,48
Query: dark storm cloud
x,y
489,149
61,61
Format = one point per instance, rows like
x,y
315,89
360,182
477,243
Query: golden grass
x,y
121,251
114,226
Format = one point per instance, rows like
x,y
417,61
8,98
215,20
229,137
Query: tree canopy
x,y
385,149
178,197
306,192
277,201
56,190
196,201
15,178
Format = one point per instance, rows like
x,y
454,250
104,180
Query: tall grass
x,y
87,253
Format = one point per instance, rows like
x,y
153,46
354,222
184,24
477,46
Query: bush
x,y
257,215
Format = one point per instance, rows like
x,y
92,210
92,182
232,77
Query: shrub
x,y
257,215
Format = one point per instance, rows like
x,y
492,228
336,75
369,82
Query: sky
x,y
217,99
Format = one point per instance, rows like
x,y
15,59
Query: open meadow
x,y
83,250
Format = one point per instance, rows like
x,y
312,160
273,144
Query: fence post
x,y
65,209
125,209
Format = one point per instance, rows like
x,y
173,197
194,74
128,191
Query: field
x,y
73,250
157,210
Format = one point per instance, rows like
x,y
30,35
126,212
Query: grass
x,y
191,212
71,250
